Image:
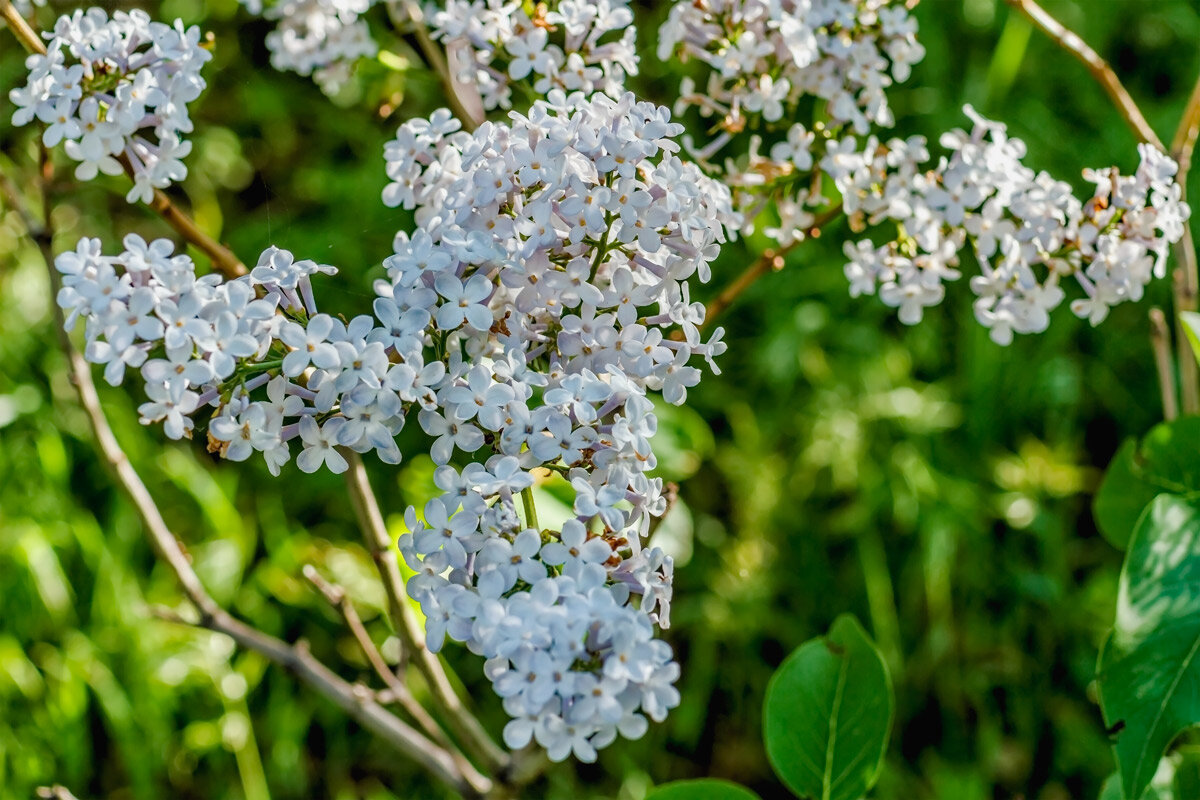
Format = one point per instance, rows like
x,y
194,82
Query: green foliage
x,y
701,789
1167,460
828,714
1149,674
928,481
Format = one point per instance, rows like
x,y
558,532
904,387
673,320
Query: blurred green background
x,y
930,482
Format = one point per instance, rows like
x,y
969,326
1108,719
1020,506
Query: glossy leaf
x,y
1168,460
1149,671
829,713
703,789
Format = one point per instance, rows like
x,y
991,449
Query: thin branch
x,y
12,196
383,551
223,259
1187,275
1183,143
1160,341
20,28
398,11
771,260
397,689
1101,71
1185,300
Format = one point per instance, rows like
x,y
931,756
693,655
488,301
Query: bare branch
x,y
383,551
1185,300
12,197
409,11
26,35
1101,71
397,690
771,260
1160,341
1184,141
1187,275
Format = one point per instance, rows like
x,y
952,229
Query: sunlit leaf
x,y
1168,460
829,713
703,789
1149,672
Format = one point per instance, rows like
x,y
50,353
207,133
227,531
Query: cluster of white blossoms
x,y
551,256
202,341
112,88
570,45
322,38
764,59
1028,231
524,323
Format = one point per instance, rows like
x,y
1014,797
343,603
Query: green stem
x,y
530,509
602,248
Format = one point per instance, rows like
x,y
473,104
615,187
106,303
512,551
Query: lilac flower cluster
x,y
554,253
524,323
566,44
1028,231
322,38
761,60
113,88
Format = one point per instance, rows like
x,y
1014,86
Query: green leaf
x,y
1165,784
1149,670
703,789
829,713
1168,460
1191,330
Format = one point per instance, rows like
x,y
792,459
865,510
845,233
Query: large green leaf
x,y
1168,460
703,789
1149,670
828,714
1174,779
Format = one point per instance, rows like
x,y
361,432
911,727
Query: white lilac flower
x,y
1029,233
761,59
571,45
118,87
321,38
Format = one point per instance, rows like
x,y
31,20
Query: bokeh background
x,y
924,479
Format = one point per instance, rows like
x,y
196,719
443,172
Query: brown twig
x,y
20,28
1185,300
1187,275
1183,143
1160,341
402,11
223,259
1101,71
383,551
771,260
397,689
12,196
